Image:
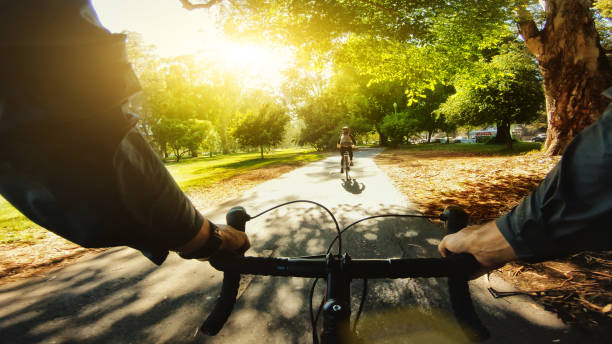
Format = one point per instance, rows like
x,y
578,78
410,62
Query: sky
x,y
176,31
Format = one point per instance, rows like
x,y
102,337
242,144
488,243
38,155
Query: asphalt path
x,y
118,296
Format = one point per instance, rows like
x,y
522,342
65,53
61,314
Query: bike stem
x,y
337,309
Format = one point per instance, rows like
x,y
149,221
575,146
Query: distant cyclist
x,y
346,143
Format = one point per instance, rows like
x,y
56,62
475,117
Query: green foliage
x,y
263,129
184,135
322,118
604,7
398,126
422,108
300,22
504,91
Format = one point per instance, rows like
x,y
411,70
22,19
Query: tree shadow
x,y
118,297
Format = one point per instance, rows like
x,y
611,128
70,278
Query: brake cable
x,y
338,237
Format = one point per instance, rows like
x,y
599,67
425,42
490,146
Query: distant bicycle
x,y
346,164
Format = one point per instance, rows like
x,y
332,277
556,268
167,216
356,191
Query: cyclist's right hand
x,y
485,243
233,241
338,146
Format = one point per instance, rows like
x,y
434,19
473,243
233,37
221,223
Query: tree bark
x,y
503,134
574,68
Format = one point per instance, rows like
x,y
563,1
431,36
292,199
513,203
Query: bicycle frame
x,y
346,165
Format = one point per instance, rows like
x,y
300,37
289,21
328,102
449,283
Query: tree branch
x,y
529,30
189,6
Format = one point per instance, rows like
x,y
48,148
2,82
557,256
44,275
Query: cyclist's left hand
x,y
234,241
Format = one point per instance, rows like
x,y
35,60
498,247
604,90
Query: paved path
x,y
120,297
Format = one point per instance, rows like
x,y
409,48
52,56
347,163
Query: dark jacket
x,y
571,210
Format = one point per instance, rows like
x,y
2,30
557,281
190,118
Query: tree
x,y
504,91
574,67
422,108
174,133
322,118
198,134
396,126
263,128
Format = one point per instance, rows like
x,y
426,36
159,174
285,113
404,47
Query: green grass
x,y
207,171
204,171
16,228
477,148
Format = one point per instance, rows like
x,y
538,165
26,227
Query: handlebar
x,y
457,267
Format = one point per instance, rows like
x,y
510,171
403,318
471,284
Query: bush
x,y
397,126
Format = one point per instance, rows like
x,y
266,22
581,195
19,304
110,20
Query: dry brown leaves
x,y
18,262
22,261
579,288
486,186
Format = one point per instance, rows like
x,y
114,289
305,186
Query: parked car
x,y
539,138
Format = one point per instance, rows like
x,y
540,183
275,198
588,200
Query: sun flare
x,y
175,31
260,66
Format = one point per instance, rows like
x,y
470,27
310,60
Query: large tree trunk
x,y
573,65
503,134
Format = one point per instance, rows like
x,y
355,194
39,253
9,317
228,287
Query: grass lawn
x,y
477,148
206,171
191,173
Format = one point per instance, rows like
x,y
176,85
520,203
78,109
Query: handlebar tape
x,y
458,287
237,218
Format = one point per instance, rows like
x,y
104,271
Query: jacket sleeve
x,y
570,210
70,159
